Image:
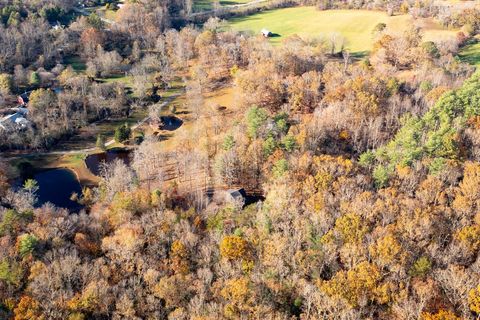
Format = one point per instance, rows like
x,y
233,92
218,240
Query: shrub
x,y
431,49
228,142
256,117
26,244
269,146
101,142
289,143
381,176
436,166
34,79
122,133
425,86
379,27
367,159
421,267
280,168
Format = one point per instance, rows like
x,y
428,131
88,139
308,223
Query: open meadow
x,y
470,53
203,5
354,25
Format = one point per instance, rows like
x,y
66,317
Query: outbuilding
x,y
266,33
24,98
236,196
14,121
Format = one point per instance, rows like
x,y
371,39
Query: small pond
x,y
56,186
94,161
170,123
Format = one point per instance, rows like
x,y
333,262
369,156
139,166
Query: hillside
x,y
158,162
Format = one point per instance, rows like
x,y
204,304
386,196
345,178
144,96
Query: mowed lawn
x,y
354,25
471,53
203,5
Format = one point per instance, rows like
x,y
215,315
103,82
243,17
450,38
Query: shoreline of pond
x,y
60,176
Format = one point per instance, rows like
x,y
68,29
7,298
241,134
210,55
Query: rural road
x,y
86,13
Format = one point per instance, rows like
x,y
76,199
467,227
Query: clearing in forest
x,y
204,5
355,26
471,53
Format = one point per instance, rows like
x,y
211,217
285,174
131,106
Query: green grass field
x,y
354,25
203,5
77,63
471,53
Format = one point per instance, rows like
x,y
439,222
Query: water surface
x,y
94,161
56,186
170,123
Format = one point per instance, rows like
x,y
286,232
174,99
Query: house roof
x,y
237,193
25,96
19,109
11,117
16,118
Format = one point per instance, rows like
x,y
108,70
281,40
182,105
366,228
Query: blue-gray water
x,y
56,186
94,161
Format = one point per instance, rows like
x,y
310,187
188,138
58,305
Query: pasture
x,y
355,26
203,5
471,53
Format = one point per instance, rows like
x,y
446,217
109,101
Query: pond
x,y
56,186
94,161
170,123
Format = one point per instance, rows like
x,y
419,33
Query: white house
x,y
266,33
14,121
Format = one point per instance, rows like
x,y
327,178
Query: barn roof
x,y
237,193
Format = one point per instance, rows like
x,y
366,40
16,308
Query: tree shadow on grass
x,y
470,52
359,54
162,137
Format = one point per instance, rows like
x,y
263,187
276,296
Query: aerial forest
x,y
171,159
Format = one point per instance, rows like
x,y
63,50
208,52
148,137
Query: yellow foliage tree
x,y
474,299
357,286
440,315
385,250
28,309
350,228
87,300
468,193
239,296
179,258
234,247
469,236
